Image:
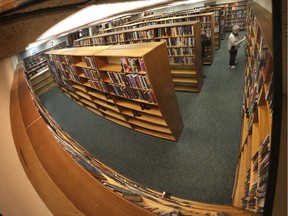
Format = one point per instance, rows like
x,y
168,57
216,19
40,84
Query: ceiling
x,y
23,21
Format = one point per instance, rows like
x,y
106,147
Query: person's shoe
x,y
233,67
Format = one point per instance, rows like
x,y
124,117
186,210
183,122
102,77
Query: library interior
x,y
150,107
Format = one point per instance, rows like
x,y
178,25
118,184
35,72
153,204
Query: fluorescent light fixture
x,y
93,13
158,8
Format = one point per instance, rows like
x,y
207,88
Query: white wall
x,y
17,195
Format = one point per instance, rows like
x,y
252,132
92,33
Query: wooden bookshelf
x,y
123,84
183,46
219,22
206,24
254,156
235,14
42,81
36,63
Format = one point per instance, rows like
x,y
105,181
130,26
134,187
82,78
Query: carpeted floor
x,y
200,166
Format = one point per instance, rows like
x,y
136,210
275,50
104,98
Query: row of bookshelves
x,y
181,42
134,32
254,157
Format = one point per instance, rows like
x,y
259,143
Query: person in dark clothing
x,y
205,43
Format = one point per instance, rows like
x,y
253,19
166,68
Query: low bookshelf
x,y
123,84
42,81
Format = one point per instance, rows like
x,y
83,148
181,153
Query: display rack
x,y
123,84
254,156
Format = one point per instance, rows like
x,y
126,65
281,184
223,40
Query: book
x,y
124,64
132,197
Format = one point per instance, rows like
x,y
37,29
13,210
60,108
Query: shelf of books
x,y
206,24
217,26
206,20
219,21
37,71
35,64
235,14
183,46
253,165
123,84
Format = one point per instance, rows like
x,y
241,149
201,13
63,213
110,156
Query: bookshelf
x,y
218,33
37,71
219,23
123,84
184,48
42,82
222,22
253,165
235,14
36,63
206,24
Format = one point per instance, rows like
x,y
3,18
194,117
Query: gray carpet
x,y
200,166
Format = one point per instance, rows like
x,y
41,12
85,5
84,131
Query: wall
x,y
17,196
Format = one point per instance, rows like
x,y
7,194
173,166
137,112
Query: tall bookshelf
x,y
183,46
235,14
206,23
219,23
123,84
222,19
219,17
253,165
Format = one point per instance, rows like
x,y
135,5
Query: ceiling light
x,y
93,13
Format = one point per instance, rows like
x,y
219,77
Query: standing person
x,y
233,45
205,43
